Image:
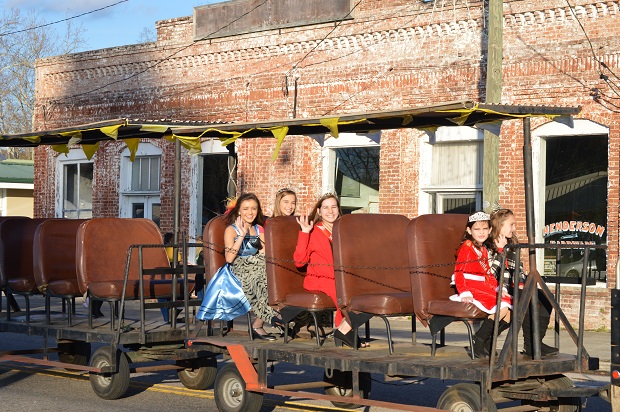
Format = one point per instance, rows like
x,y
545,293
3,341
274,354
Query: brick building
x,y
351,57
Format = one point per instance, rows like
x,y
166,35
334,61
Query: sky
x,y
117,25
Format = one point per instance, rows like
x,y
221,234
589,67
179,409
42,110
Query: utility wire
x,y
162,60
63,20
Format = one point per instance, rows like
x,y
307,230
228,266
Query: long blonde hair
x,y
497,221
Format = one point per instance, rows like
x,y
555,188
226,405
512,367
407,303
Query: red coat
x,y
473,278
315,248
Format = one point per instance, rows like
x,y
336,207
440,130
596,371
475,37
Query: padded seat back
x,y
55,256
283,277
3,279
101,249
371,258
16,253
213,249
433,241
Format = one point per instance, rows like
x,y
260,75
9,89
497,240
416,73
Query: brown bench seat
x,y
372,268
433,241
55,263
102,253
285,282
16,259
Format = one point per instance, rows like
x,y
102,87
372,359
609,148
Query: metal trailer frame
x,y
251,357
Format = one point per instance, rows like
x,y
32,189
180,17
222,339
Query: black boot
x,y
503,325
481,339
528,342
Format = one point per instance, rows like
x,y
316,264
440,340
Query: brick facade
x,y
393,54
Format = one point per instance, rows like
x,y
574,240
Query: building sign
x,y
573,226
231,18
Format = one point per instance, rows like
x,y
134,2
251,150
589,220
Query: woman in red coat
x,y
314,249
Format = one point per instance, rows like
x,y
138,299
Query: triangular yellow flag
x,y
111,131
332,125
61,148
132,145
279,133
90,149
190,143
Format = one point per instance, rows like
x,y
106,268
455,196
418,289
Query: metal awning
x,y
458,113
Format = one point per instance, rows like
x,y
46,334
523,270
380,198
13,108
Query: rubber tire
x,y
110,385
200,373
463,397
563,404
573,274
76,352
343,386
229,380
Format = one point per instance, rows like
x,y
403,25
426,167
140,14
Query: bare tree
x,y
23,40
147,35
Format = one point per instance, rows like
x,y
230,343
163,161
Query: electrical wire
x,y
160,61
63,20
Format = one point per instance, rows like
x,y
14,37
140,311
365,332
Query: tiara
x,y
479,216
284,189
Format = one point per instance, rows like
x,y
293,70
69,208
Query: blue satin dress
x,y
224,298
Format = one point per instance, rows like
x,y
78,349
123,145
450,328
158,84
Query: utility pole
x,y
495,37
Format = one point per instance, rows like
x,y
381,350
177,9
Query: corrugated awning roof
x,y
458,113
17,171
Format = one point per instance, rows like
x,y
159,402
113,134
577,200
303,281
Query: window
x,y
572,184
75,185
352,170
140,183
451,167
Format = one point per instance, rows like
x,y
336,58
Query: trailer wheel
x,y
343,386
199,373
571,404
109,385
464,397
75,352
230,393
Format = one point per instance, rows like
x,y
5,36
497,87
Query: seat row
x,y
385,265
99,258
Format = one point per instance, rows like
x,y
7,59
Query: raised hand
x,y
305,224
242,226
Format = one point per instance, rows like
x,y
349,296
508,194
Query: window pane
x,y
144,175
71,179
154,174
155,208
137,210
456,164
85,214
459,205
86,186
576,203
135,174
357,178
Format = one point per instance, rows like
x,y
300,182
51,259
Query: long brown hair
x,y
497,221
314,215
231,216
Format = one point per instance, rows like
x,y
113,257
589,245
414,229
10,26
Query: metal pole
x,y
177,191
531,231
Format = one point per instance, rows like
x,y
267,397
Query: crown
x,y
479,216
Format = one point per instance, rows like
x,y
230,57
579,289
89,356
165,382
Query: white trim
x,y
25,186
73,157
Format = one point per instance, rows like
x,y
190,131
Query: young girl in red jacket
x,y
476,283
314,249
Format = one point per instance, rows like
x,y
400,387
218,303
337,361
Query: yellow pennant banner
x,y
90,149
61,148
279,133
132,145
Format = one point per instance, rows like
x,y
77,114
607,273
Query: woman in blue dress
x,y
241,283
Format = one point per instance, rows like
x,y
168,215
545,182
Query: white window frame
x,y
578,127
127,196
75,156
427,191
344,140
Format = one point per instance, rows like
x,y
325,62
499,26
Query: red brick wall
x,y
393,54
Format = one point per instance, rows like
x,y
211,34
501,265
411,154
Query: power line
x,y
162,60
63,20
